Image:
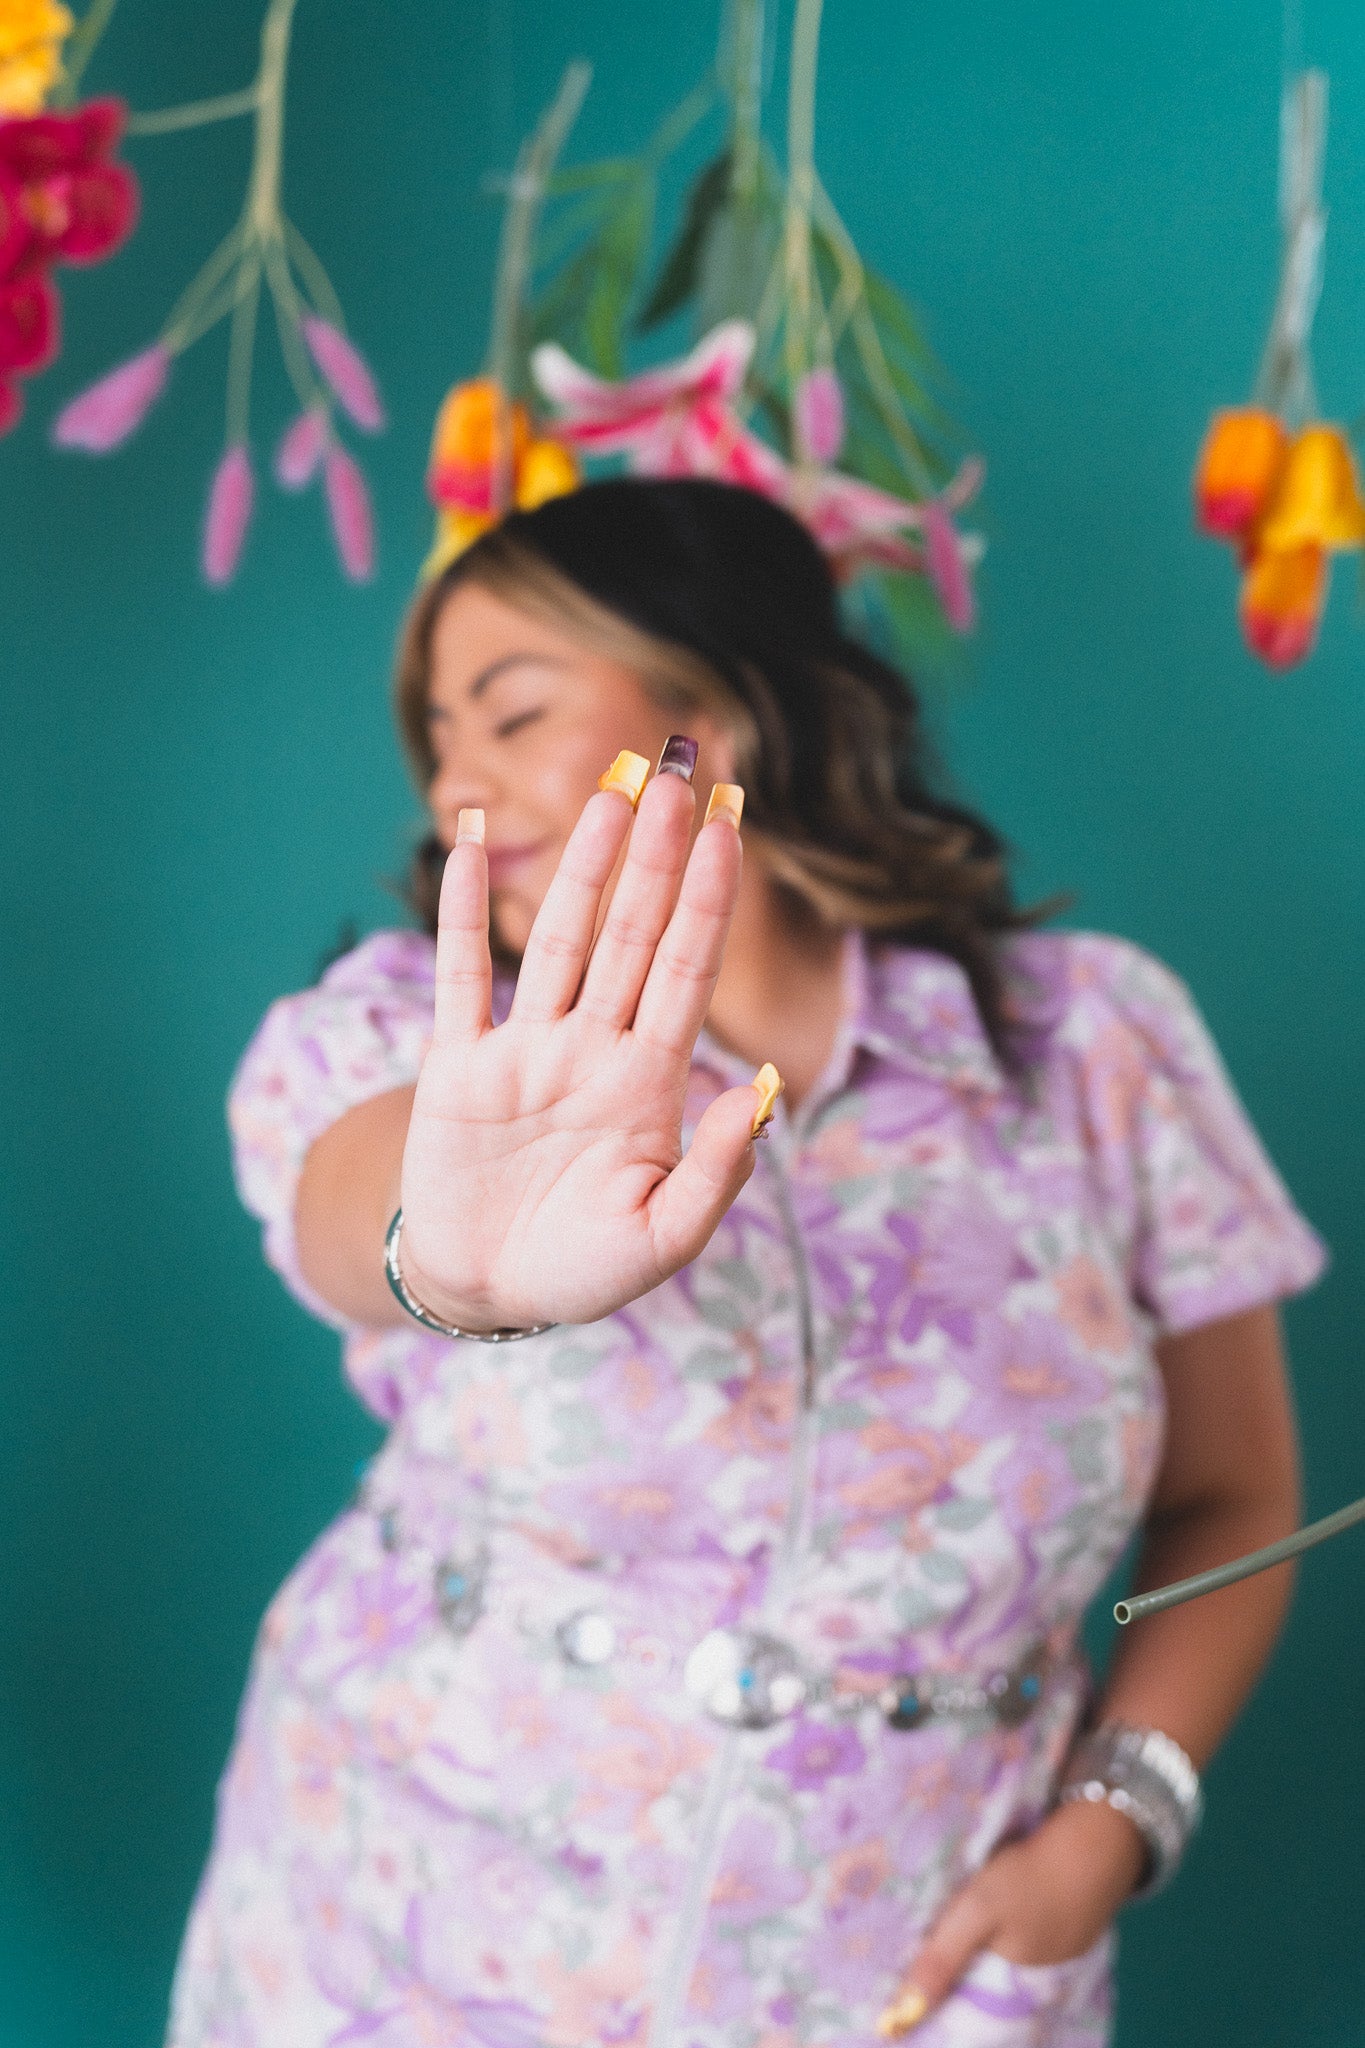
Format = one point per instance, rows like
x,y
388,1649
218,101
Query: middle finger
x,y
646,892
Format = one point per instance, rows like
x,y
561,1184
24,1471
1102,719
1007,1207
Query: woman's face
x,y
523,720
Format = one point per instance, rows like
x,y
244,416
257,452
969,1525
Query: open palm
x,y
543,1175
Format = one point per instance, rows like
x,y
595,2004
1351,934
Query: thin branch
x,y
187,305
316,282
81,48
240,353
196,113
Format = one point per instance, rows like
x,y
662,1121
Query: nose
x,y
460,782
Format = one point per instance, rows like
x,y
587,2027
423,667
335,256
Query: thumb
x,y
959,1934
686,1206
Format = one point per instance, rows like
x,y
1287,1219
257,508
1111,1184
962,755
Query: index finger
x,y
464,966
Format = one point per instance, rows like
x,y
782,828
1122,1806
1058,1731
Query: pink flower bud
x,y
229,514
346,370
106,413
301,449
819,414
348,503
948,567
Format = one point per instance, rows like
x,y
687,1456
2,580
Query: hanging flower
x,y
31,36
1317,502
346,370
348,506
1283,595
652,418
818,415
62,200
481,449
107,412
1238,468
228,515
302,446
77,203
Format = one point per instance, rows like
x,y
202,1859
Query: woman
x,y
701,1669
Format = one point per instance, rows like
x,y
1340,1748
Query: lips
x,y
507,863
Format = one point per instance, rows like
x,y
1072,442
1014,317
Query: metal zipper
x,y
677,1975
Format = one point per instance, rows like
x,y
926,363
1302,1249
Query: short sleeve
x,y
1210,1227
362,1030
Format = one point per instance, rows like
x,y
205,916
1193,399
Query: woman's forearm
x,y
1189,1671
347,1194
1229,1482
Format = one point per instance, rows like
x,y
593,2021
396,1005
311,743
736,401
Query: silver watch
x,y
1145,1774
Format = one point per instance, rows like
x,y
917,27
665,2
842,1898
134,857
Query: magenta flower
x,y
107,412
229,514
948,567
818,412
348,503
346,370
301,449
647,416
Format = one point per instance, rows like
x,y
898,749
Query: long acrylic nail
x,y
679,757
727,801
769,1084
627,774
902,2014
469,828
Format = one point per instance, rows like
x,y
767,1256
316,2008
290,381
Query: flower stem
x,y
81,48
263,192
240,352
805,58
740,63
195,113
535,161
176,333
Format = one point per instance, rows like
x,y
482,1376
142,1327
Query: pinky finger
x,y
464,966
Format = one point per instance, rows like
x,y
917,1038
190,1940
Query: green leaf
x,y
621,250
676,281
736,258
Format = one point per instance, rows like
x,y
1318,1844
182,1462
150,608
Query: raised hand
x,y
543,1176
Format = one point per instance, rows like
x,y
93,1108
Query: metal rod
x,y
1142,1604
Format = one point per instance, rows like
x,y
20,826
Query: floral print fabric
x,y
902,1414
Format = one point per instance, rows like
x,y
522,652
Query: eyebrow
x,y
506,661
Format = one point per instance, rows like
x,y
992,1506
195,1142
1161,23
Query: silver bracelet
x,y
1145,1774
404,1294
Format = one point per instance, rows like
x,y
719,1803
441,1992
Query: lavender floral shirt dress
x,y
581,1726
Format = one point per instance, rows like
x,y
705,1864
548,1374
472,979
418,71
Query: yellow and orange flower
x,y
1287,505
31,36
1281,603
1239,466
485,458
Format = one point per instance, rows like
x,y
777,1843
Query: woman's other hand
x,y
1045,1899
543,1178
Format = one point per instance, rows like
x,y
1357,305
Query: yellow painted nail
x,y
769,1084
727,801
469,828
628,773
902,2014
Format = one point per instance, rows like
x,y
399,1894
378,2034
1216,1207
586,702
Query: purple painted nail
x,y
679,757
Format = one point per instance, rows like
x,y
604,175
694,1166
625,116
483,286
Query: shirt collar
x,y
902,1004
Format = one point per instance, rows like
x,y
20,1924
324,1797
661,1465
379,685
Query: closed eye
x,y
515,724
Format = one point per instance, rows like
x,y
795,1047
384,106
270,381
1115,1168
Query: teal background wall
x,y
196,791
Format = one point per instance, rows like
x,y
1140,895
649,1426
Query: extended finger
x,y
642,900
686,1207
682,976
557,950
961,1931
464,968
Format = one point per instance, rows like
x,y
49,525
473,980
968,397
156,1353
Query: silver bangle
x,y
404,1294
1145,1774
